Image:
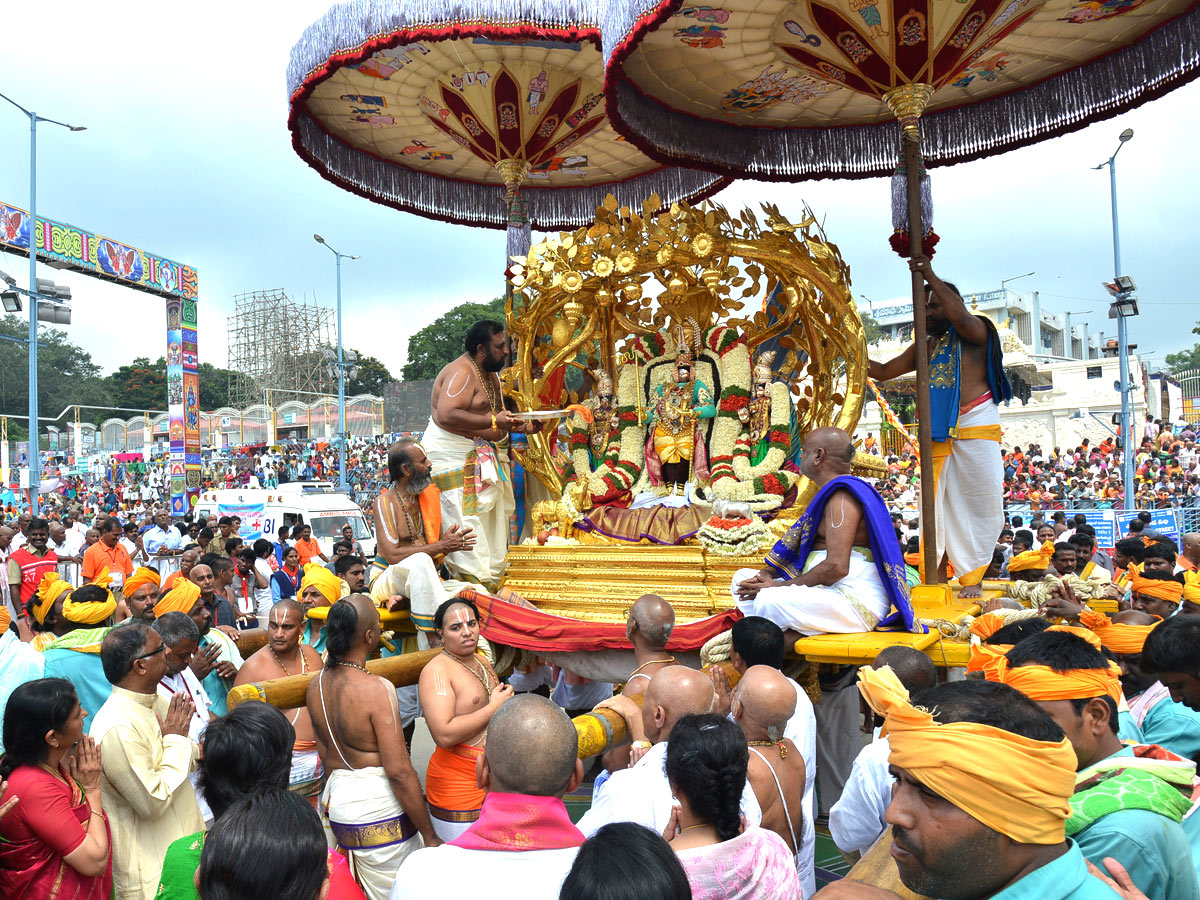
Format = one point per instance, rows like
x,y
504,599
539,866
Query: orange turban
x,y
1032,559
316,575
988,624
1191,587
1045,683
139,579
1025,797
1169,590
171,580
913,559
49,589
1122,639
5,618
180,598
984,655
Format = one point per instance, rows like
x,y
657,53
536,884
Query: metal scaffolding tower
x,y
275,342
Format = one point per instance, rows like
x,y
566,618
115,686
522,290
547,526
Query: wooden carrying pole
x,y
916,228
598,730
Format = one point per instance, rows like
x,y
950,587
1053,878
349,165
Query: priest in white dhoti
x,y
467,442
966,384
838,569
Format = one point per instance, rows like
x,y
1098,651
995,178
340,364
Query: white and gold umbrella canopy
x,y
793,89
484,112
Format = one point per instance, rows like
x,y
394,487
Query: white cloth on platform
x,y
856,820
448,453
855,604
364,818
969,504
642,794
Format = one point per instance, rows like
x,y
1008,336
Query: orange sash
x,y
430,501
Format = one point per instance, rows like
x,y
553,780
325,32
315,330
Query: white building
x,y
1073,390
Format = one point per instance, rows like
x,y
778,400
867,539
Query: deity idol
x,y
675,444
604,416
757,414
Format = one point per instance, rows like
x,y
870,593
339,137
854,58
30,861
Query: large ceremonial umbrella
x,y
796,89
480,112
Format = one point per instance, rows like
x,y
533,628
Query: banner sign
x,y
93,254
251,514
1162,521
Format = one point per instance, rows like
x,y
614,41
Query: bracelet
x,y
495,427
96,812
640,745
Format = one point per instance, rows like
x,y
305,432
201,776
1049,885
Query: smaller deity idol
x,y
675,445
604,416
757,414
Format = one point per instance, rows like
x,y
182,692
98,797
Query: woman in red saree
x,y
54,844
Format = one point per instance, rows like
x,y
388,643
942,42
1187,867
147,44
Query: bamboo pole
x,y
916,228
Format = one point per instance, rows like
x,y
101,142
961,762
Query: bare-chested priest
x,y
286,655
839,568
467,440
459,694
372,797
412,541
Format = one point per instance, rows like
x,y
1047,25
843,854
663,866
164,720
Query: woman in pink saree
x,y
54,843
723,858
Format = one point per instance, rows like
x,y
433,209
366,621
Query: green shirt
x,y
179,869
1067,878
1152,848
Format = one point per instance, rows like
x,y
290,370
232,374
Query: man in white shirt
x,y
163,539
856,820
523,837
641,793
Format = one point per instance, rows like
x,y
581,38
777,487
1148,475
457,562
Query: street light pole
x,y
341,367
1122,335
35,461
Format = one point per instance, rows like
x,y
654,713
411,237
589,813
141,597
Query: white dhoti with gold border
x,y
854,604
969,493
475,478
365,820
416,578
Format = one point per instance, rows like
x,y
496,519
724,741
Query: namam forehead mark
x,y
462,615
278,615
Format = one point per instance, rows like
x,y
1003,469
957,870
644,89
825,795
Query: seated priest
x,y
838,569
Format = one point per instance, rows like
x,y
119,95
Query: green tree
x,y
437,344
66,376
1185,359
214,386
140,385
873,333
373,376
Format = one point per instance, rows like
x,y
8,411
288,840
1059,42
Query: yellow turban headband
x,y
49,589
95,611
1044,683
180,598
1191,588
1119,638
316,575
1032,559
5,618
1171,591
1026,797
139,579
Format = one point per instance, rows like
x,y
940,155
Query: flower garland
x,y
734,537
619,467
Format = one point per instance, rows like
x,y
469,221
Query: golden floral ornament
x,y
664,254
571,282
625,261
602,266
702,245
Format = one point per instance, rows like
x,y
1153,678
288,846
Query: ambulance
x,y
318,504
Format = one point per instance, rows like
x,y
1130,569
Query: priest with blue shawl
x,y
839,569
966,385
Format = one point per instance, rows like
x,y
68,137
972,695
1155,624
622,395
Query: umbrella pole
x,y
916,228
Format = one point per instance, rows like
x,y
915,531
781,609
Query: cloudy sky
x,y
186,154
